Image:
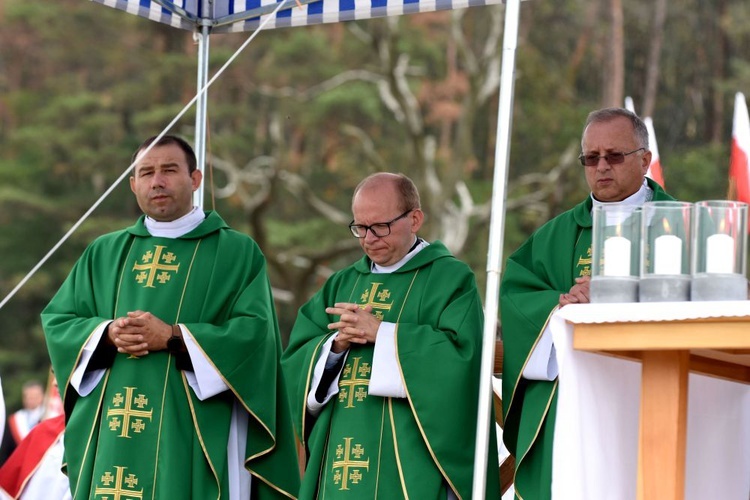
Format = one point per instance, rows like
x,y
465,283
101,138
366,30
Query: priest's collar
x,y
176,228
636,199
418,245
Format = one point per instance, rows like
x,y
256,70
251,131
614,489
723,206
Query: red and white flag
x,y
739,169
654,168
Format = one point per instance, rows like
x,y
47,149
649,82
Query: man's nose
x,y
603,164
157,180
370,236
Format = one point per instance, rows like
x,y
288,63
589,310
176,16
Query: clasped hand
x,y
356,325
139,333
578,294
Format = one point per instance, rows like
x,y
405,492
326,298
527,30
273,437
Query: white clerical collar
x,y
177,227
636,199
419,244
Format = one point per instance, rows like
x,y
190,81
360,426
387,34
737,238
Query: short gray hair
x,y
640,131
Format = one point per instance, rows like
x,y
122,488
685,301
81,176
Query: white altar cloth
x,y
595,452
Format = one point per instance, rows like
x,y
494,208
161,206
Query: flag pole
x,y
495,251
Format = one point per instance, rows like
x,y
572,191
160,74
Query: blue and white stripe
x,y
244,15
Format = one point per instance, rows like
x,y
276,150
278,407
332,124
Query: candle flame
x,y
667,228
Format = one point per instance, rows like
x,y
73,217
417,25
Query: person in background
x,y
20,423
165,342
383,362
33,471
552,269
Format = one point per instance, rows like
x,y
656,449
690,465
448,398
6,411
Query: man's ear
x,y
646,161
417,218
197,177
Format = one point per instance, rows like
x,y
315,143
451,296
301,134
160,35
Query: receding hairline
x,y
403,186
604,115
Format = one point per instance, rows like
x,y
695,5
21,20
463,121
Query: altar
x,y
653,401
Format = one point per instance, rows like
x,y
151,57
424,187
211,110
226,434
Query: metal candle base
x,y
719,287
607,289
660,288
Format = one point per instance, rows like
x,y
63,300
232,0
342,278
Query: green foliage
x,y
699,173
81,85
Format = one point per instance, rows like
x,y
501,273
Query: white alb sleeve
x,y
385,380
205,380
326,359
84,382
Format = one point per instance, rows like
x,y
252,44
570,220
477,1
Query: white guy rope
x,y
98,202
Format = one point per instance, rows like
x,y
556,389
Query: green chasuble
x,y
143,433
544,267
363,446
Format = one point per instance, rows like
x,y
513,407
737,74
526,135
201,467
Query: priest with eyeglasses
x,y
383,362
553,269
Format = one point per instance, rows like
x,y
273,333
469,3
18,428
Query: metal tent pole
x,y
495,251
200,108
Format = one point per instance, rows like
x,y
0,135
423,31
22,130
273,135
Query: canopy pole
x,y
495,251
200,110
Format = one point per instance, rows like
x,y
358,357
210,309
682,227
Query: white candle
x,y
720,254
617,256
667,255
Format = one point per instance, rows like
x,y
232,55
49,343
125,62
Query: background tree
x,y
303,114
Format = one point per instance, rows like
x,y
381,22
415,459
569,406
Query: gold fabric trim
x,y
395,449
198,432
380,448
187,280
411,404
536,434
310,370
161,422
526,361
91,434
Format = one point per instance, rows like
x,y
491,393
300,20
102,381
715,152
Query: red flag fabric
x,y
24,461
739,175
654,169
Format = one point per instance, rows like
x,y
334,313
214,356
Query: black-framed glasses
x,y
614,158
379,229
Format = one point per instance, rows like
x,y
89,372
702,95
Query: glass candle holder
x,y
719,246
666,241
615,254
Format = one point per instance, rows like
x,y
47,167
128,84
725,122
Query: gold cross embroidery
x,y
127,412
376,299
353,386
151,267
341,468
586,263
118,491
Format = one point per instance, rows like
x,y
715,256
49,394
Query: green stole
x,y
365,441
145,405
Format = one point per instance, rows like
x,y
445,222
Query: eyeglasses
x,y
611,158
379,229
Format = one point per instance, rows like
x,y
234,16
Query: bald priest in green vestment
x,y
383,362
165,342
552,269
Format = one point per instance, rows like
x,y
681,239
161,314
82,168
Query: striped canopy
x,y
223,16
